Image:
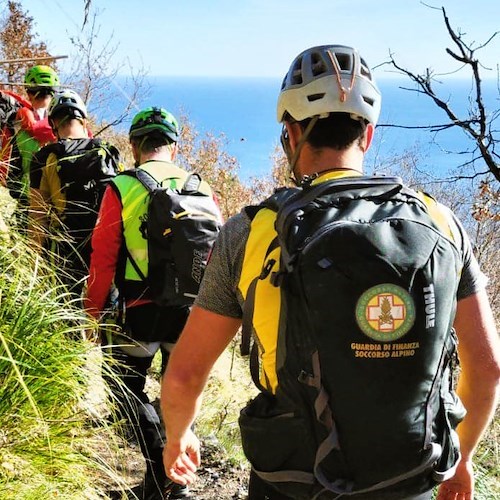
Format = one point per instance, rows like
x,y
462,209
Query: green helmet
x,y
155,121
41,76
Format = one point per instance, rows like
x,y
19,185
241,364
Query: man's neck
x,y
72,131
325,160
162,156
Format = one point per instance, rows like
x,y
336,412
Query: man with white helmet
x,y
67,183
329,105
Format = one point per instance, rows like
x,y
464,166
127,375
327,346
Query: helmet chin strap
x,y
293,156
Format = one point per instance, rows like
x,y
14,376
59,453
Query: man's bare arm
x,y
202,341
478,385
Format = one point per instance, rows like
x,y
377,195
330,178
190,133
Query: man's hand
x,y
182,459
460,486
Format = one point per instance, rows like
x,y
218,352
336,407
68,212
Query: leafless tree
x,y
479,125
99,81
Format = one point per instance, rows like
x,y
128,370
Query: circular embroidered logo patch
x,y
385,312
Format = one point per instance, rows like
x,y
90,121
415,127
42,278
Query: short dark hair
x,y
150,142
338,131
67,114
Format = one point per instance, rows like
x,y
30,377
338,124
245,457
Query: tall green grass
x,y
46,445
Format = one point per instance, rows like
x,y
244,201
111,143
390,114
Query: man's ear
x,y
294,133
54,126
135,150
175,149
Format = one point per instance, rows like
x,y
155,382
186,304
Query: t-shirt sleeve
x,y
472,279
218,291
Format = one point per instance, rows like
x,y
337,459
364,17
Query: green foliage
x,y
45,446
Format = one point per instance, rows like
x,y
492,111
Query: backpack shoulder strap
x,y
437,215
56,148
146,179
192,184
273,203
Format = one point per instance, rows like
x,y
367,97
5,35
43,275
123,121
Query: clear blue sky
x,y
261,37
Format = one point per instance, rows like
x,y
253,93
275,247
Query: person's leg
x,y
126,377
147,326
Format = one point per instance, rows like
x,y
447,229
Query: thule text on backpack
x,y
430,306
362,351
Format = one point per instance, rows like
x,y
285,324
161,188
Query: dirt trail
x,y
218,478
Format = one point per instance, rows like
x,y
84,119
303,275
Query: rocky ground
x,y
218,477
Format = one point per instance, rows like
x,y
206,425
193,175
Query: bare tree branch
x,y
478,126
86,12
100,82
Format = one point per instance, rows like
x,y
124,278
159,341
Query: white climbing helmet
x,y
329,79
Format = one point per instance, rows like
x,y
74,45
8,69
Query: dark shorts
x,y
152,323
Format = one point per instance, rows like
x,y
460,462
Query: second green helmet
x,y
41,76
155,121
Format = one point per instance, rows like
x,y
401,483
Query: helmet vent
x,y
283,83
315,97
368,101
296,75
318,66
364,70
345,61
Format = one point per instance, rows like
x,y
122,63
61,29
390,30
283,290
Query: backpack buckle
x,y
267,269
278,278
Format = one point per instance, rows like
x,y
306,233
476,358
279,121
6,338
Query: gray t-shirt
x,y
219,290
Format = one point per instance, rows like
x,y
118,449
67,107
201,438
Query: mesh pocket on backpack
x,y
274,440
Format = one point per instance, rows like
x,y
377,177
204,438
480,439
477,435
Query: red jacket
x,y
39,129
106,242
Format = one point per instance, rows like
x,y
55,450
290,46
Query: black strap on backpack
x,y
288,209
124,248
246,346
150,183
191,185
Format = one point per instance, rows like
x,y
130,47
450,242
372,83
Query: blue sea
x,y
243,109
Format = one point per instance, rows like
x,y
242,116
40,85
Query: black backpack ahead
x,y
85,167
181,227
9,107
364,402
